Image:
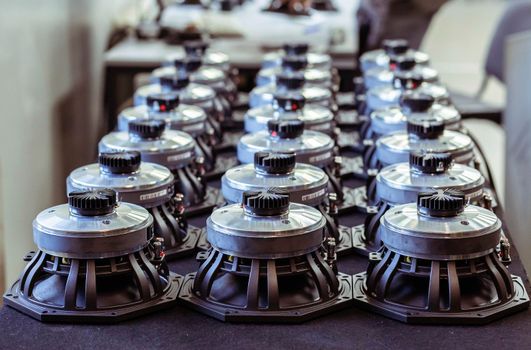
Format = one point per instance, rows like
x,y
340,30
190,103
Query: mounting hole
x,y
464,222
53,311
15,296
398,212
9,294
51,211
523,299
453,178
131,178
168,298
106,222
113,313
285,222
45,312
408,313
480,315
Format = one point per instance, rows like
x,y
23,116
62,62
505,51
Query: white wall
x,y
457,41
518,154
51,79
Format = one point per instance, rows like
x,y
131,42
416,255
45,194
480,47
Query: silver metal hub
x,y
311,147
474,232
306,184
234,232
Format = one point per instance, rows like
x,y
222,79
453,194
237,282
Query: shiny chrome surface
x,y
233,231
175,149
315,117
59,232
312,76
395,148
193,94
263,95
379,76
387,120
312,147
378,58
389,96
306,184
150,186
315,59
399,184
475,232
187,118
211,57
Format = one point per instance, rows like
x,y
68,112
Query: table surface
x,y
350,328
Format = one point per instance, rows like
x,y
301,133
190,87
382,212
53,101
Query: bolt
x,y
331,255
200,166
332,203
505,251
158,248
335,134
338,163
179,203
487,202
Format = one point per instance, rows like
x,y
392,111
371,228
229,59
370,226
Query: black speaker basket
x,y
472,291
180,238
287,290
199,198
55,289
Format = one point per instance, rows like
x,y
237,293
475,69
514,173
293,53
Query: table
x,y
180,327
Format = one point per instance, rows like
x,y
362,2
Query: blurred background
x,y
66,67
